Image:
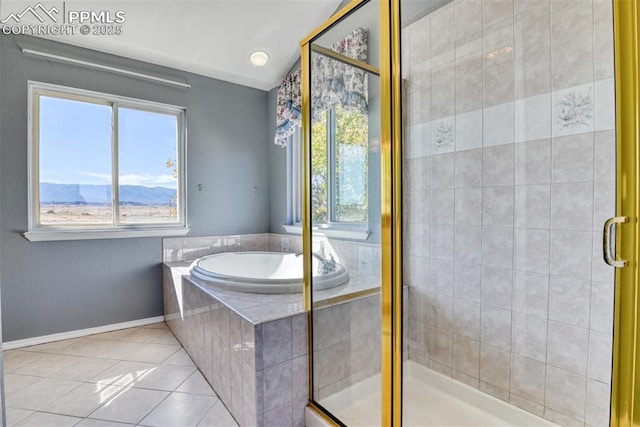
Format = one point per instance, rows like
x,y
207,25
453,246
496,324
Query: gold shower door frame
x,y
625,394
391,198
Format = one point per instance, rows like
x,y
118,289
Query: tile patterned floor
x,y
131,377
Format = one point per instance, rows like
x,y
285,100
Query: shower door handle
x,y
609,255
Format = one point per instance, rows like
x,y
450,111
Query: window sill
x,y
45,235
351,233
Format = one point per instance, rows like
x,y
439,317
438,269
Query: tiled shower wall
x,y
509,176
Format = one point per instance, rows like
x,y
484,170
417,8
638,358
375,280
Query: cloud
x,y
103,178
148,180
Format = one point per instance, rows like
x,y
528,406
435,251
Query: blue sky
x,y
75,144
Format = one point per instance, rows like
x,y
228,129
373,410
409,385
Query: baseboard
x,y
10,345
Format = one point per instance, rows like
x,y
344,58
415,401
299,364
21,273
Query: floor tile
x,y
15,415
151,353
84,400
119,335
131,406
40,393
218,416
165,377
52,347
180,409
13,383
16,359
167,338
89,422
97,347
84,369
180,358
159,325
47,365
146,335
196,384
125,373
43,419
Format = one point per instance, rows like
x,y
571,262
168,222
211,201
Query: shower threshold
x,y
430,399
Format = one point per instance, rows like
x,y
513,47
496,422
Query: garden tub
x,y
264,272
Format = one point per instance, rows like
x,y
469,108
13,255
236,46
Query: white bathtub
x,y
262,272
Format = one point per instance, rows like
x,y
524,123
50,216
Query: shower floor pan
x,y
430,399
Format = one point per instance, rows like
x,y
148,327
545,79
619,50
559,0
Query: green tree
x,y
319,209
351,128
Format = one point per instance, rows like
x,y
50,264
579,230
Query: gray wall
x,y
52,287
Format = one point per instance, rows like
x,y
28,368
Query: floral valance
x,y
332,82
288,110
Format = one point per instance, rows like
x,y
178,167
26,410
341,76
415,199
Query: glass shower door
x,y
344,165
346,319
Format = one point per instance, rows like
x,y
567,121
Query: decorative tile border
x,y
571,111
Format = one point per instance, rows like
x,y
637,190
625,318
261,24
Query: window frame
x,y
332,228
294,179
39,232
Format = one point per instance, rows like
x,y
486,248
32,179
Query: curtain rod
x,y
105,68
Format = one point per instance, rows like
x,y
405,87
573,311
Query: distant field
x,y
101,214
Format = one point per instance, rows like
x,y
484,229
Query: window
x,y
339,192
104,166
339,173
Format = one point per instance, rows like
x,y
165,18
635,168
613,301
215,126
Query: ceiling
x,y
213,38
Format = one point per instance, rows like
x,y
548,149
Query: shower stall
x,y
464,151
505,206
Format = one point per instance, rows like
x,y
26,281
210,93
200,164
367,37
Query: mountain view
x,y
82,194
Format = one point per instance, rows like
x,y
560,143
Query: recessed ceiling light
x,y
259,58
